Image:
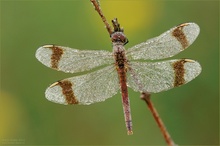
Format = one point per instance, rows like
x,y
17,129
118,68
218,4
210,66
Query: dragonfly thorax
x,y
119,55
119,38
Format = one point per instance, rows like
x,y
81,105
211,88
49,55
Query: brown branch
x,y
98,9
146,97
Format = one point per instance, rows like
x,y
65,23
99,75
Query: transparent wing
x,y
160,76
72,60
85,89
167,44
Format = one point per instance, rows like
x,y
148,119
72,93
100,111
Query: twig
x,y
146,97
96,4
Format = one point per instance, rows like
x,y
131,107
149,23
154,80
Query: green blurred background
x,y
190,112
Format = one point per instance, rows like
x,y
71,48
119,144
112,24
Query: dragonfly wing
x,y
167,44
155,77
72,60
86,89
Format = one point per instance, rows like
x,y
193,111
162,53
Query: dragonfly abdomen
x,y
121,63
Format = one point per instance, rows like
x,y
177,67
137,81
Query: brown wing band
x,y
56,56
180,36
68,91
179,71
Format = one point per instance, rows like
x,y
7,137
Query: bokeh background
x,y
190,112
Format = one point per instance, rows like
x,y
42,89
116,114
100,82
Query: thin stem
x,y
146,97
98,9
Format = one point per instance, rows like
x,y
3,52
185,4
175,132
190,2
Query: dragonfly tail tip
x,y
130,132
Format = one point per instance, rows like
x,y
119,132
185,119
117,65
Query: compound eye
x,y
119,37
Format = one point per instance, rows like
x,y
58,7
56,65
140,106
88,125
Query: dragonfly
x,y
138,67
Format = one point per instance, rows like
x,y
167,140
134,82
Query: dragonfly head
x,y
118,35
119,38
